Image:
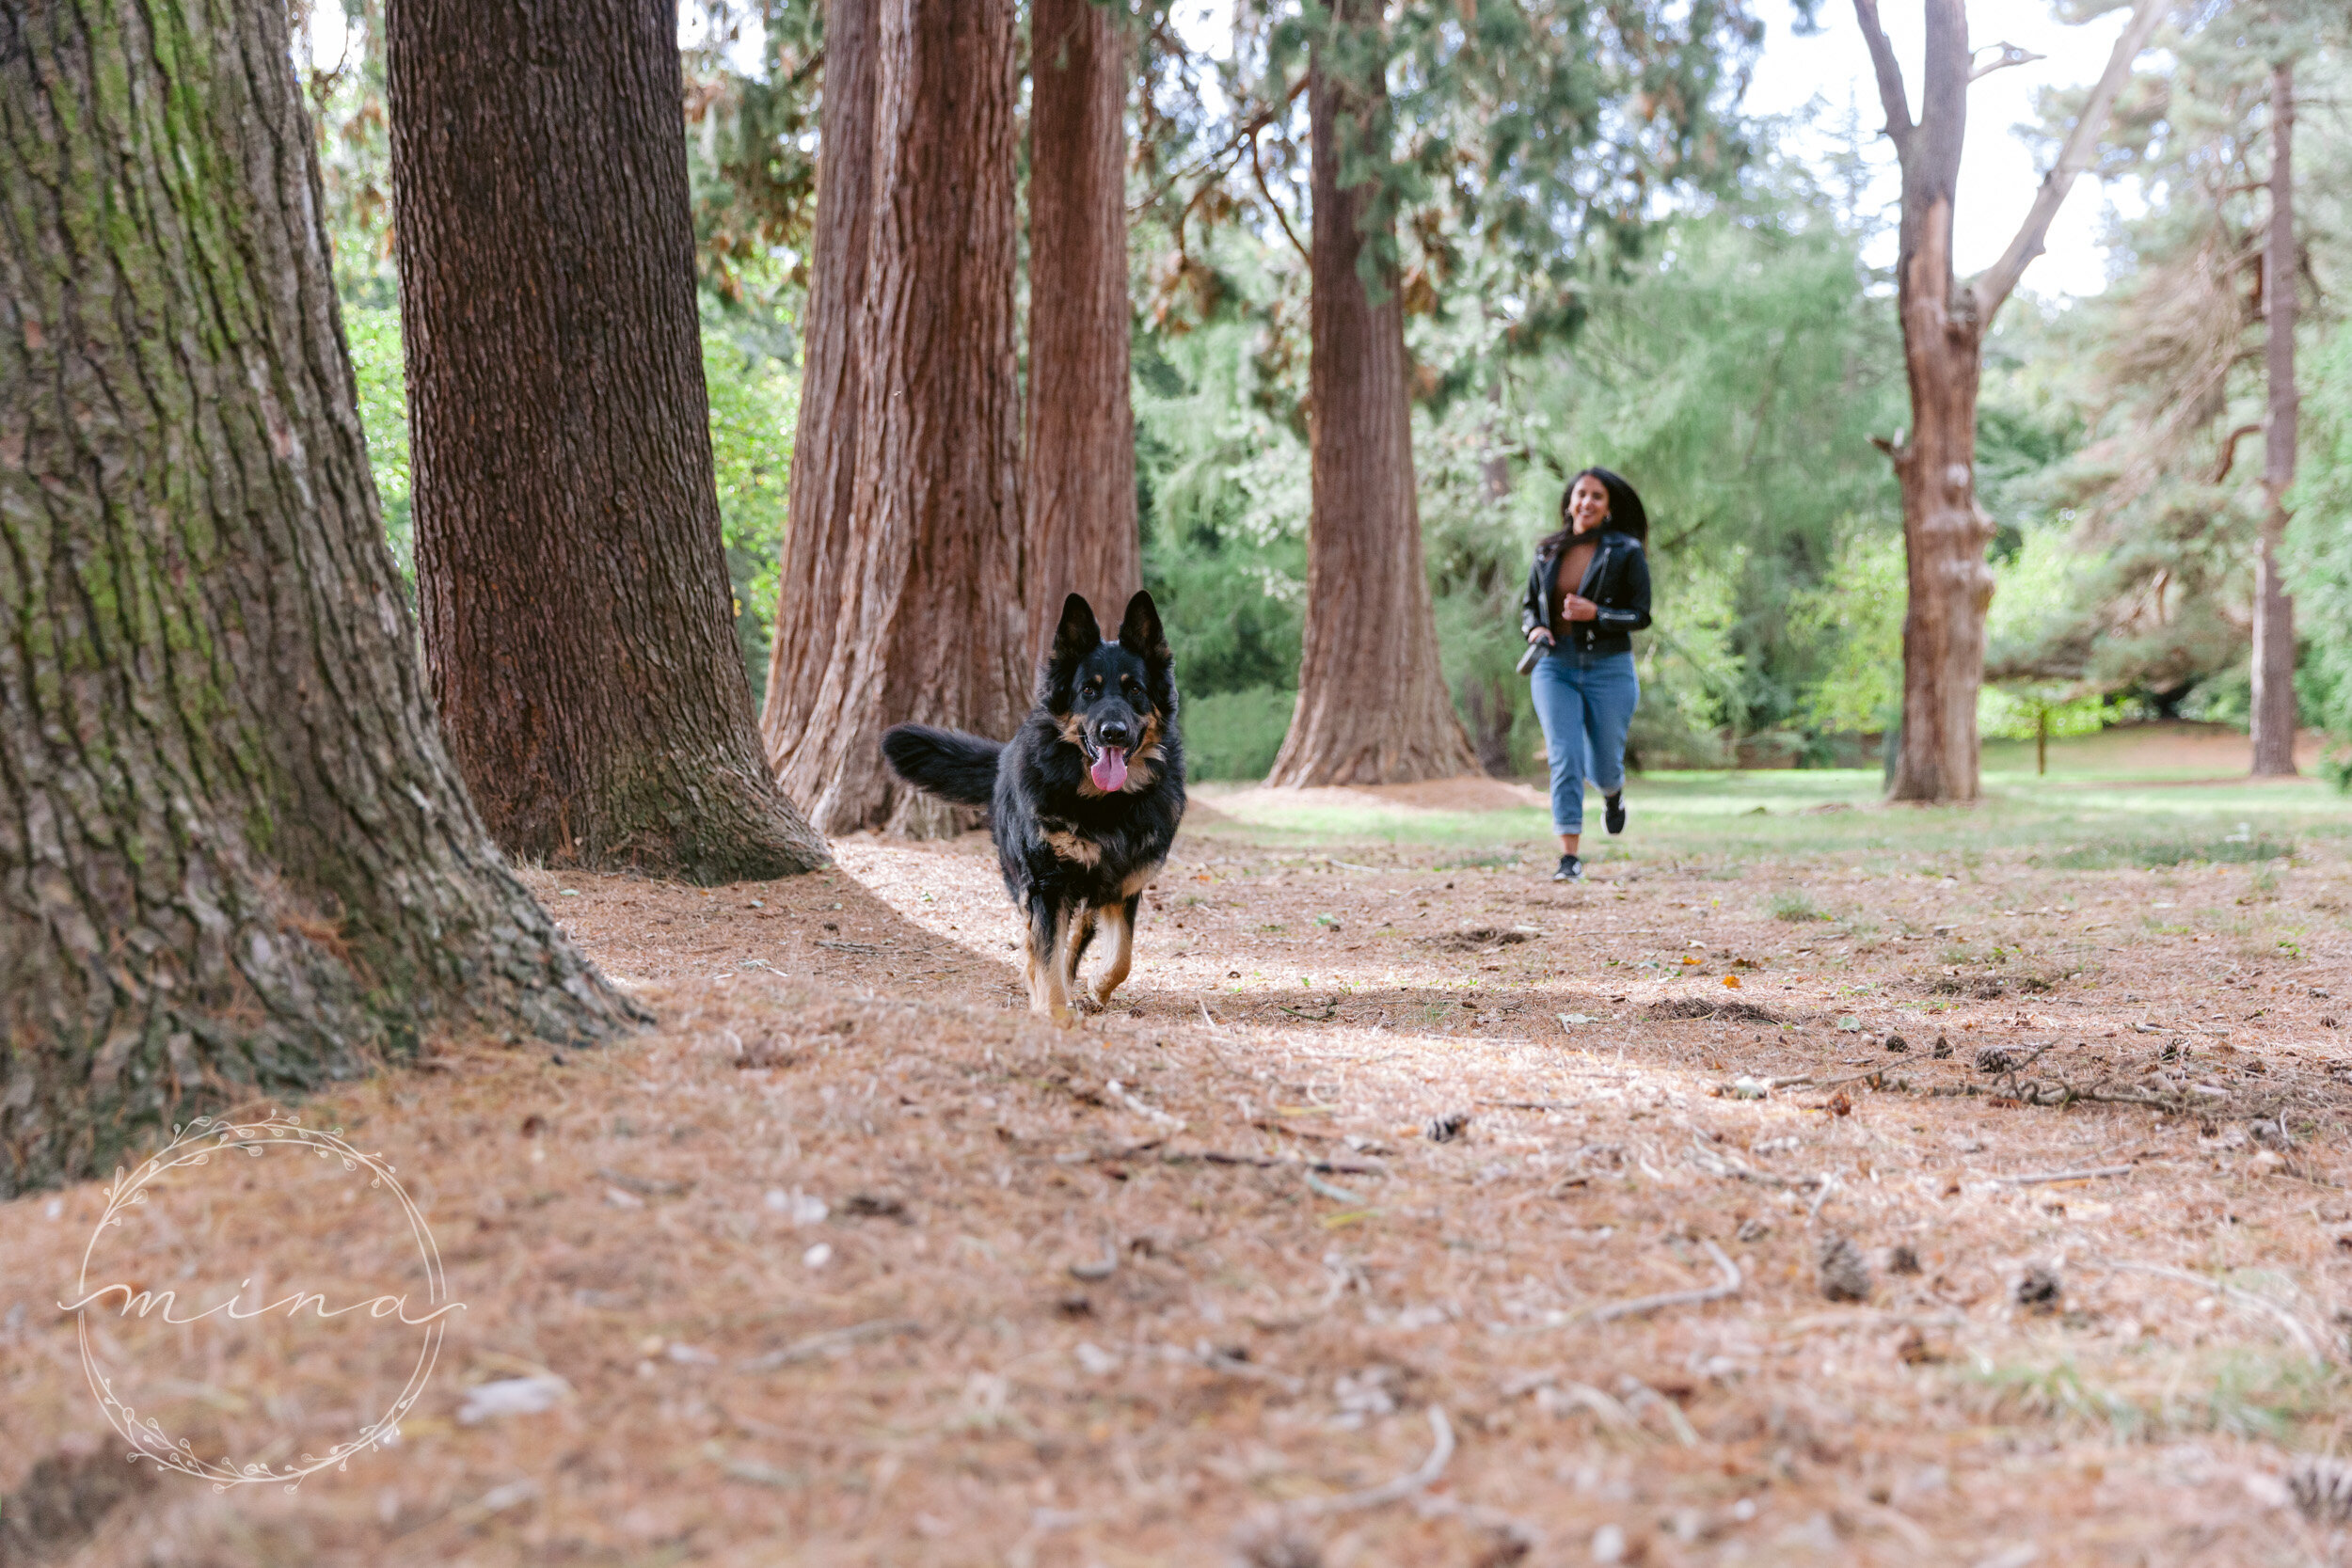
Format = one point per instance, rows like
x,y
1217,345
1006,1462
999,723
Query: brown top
x,y
1574,561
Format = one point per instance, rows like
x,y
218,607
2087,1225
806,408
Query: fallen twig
x,y
2313,1344
1727,1285
2039,1178
1270,1162
1404,1486
1151,1114
1338,1195
831,1339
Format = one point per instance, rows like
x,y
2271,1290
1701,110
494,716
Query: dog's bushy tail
x,y
951,765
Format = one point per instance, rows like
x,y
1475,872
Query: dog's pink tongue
x,y
1110,771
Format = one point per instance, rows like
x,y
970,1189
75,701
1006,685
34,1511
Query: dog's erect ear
x,y
1079,633
1140,633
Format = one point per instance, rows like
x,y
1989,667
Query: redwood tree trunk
x,y
1373,707
1080,475
573,585
926,623
2274,609
235,859
817,555
1945,530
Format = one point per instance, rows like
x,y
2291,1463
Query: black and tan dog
x,y
1083,802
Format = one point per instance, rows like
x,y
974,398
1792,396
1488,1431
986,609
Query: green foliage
x,y
1795,906
2319,551
374,333
2034,590
1223,504
755,408
1856,615
1236,735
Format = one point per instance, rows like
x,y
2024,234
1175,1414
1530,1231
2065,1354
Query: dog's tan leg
x,y
1081,926
1119,919
1049,965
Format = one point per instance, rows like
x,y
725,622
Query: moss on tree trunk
x,y
234,858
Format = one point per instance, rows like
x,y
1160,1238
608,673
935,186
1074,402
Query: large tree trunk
x,y
1944,323
1373,707
925,622
573,584
2274,609
817,555
1080,474
235,859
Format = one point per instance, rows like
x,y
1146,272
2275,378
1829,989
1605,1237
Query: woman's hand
x,y
1578,607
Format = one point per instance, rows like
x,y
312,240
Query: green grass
x,y
2092,818
1794,905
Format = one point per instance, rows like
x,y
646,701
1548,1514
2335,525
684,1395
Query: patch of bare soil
x,y
1353,1234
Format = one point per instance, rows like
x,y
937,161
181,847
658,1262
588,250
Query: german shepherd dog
x,y
1083,802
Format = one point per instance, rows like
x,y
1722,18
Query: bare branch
x,y
1257,169
2011,54
1994,286
1898,125
2229,449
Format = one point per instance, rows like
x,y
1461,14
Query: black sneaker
x,y
1615,817
1571,870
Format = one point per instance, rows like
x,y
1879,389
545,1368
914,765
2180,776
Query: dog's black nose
x,y
1113,733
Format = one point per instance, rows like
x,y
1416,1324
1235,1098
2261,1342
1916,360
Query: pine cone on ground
x,y
1845,1276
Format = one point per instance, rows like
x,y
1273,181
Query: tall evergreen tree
x,y
573,584
917,612
2274,709
1372,706
234,858
1079,484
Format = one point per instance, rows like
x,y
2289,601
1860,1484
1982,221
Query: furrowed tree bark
x,y
1080,472
1373,707
235,861
570,573
817,555
1944,322
2274,714
926,624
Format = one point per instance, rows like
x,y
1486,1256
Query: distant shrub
x,y
1236,735
1795,905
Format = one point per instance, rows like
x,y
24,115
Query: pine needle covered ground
x,y
1840,1183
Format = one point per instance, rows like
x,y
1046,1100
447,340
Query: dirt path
x,y
1331,1241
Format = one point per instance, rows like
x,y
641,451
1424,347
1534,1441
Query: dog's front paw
x,y
1100,999
1087,1003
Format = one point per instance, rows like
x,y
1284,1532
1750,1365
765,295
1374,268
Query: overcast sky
x,y
1998,173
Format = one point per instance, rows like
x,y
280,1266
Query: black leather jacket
x,y
1617,580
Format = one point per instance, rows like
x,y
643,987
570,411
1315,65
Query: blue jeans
x,y
1584,701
